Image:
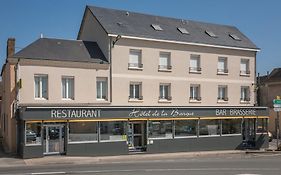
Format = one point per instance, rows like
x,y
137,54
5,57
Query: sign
x,y
80,113
277,101
277,105
277,109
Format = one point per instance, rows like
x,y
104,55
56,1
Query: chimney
x,y
10,47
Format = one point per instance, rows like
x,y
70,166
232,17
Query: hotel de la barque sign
x,y
29,113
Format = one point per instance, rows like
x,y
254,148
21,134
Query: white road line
x,y
42,173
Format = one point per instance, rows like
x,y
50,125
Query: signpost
x,y
277,108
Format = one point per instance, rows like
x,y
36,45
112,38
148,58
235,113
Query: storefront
x,y
92,131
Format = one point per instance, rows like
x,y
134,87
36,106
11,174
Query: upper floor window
x,y
102,88
41,86
244,67
165,92
245,94
194,65
135,91
222,65
67,87
195,92
164,61
222,93
135,61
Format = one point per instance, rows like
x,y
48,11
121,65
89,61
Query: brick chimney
x,y
10,47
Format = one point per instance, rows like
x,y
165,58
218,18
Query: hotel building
x,y
132,82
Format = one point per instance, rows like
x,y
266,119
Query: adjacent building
x,y
269,87
133,82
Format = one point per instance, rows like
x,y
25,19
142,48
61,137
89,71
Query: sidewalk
x,y
62,160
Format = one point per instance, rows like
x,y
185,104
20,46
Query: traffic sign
x,y
277,109
277,105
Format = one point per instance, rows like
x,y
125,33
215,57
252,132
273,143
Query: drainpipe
x,y
110,68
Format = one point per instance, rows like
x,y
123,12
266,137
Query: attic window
x,y
235,37
211,34
183,30
156,27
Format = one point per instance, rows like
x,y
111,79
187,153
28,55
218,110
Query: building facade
x,y
133,82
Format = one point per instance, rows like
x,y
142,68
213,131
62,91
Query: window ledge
x,y
222,101
194,101
195,72
222,73
40,98
245,102
245,75
164,70
164,101
135,68
102,101
134,100
67,99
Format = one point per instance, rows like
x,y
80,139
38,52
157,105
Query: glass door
x,y
53,139
136,136
249,132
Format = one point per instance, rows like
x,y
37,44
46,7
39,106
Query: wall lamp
x,y
117,38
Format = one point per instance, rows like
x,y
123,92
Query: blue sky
x,y
260,20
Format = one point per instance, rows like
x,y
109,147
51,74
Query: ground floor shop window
x,y
209,127
33,133
160,129
231,126
262,125
83,132
113,131
186,128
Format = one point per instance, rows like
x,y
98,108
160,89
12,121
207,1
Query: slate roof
x,y
62,50
121,22
274,76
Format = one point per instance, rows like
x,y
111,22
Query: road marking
x,y
42,173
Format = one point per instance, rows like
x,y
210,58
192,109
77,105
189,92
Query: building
x,y
133,82
269,87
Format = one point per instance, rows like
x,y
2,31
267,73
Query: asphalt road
x,y
231,164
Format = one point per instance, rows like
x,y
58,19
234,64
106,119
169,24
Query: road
x,y
231,164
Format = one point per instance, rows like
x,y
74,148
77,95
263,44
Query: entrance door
x,y
249,132
136,136
53,139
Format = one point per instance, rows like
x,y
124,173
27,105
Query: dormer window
x,y
210,33
183,30
156,27
235,37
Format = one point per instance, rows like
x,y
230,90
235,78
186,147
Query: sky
x,y
260,20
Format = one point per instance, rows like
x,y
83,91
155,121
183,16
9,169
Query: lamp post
x,y
277,108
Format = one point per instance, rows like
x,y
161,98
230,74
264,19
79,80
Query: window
x,y
195,92
262,125
165,91
68,87
83,132
135,59
156,27
186,128
235,37
41,86
183,30
209,127
113,131
194,63
222,93
245,94
222,65
160,129
244,67
165,61
231,126
210,33
135,91
33,134
101,88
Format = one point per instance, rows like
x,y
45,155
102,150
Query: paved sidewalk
x,y
62,160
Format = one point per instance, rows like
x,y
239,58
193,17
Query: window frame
x,y
164,98
194,96
102,80
167,67
223,71
247,94
224,97
247,63
138,65
197,58
40,90
67,78
134,97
